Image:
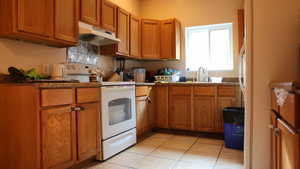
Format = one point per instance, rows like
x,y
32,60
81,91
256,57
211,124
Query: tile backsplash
x,y
88,54
84,53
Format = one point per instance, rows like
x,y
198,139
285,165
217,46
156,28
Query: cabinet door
x,y
109,16
180,112
204,113
135,37
161,99
170,39
34,16
90,11
151,106
274,141
288,149
222,103
150,39
167,39
66,20
142,115
180,108
58,138
88,126
123,32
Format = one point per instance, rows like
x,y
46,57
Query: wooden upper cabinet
x,y
123,32
58,138
109,16
88,126
66,20
34,16
51,22
150,39
135,37
90,11
170,39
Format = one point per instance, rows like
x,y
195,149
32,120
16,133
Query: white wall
x,y
275,57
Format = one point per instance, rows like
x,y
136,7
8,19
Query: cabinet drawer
x,y
142,90
205,90
290,110
227,91
85,95
180,90
56,97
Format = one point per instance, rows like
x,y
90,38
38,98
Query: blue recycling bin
x,y
234,127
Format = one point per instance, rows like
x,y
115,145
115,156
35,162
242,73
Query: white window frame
x,y
210,28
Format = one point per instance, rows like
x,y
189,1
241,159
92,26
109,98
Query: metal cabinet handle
x,y
78,108
277,131
148,99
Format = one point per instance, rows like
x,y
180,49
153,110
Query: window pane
x,y
198,49
209,47
220,54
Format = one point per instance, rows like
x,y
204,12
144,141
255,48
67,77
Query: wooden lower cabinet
x,y
180,108
161,106
142,115
50,129
58,138
274,141
88,131
204,113
145,113
288,152
145,109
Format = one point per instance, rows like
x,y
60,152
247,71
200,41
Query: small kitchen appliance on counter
x,y
139,75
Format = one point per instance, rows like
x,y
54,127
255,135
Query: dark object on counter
x,y
16,75
150,76
20,76
128,76
182,79
234,127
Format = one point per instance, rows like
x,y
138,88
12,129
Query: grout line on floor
x,y
219,155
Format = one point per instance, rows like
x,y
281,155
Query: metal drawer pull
x,y
79,108
277,131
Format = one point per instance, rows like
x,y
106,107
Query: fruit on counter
x,y
20,75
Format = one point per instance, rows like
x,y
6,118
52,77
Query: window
x,y
210,47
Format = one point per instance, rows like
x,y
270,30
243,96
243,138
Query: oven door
x,y
118,110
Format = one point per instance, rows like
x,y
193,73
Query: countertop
x,y
292,86
99,84
55,85
145,84
199,83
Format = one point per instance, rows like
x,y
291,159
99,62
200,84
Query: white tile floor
x,y
166,151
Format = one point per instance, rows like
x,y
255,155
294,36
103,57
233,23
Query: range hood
x,y
96,36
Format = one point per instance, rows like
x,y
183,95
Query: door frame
x,y
248,7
